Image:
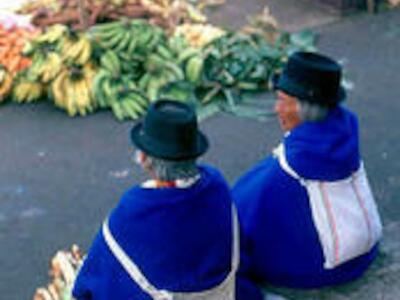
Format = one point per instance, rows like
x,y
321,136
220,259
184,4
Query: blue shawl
x,y
280,244
180,239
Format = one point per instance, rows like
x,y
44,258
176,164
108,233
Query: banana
x,y
128,109
144,37
144,81
77,52
52,35
117,110
175,70
164,52
134,99
82,96
112,42
124,42
177,43
58,90
153,87
98,89
132,45
155,63
105,28
157,36
69,104
51,68
187,53
85,53
194,69
111,62
26,91
141,99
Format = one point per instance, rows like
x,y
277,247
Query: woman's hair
x,y
312,112
170,170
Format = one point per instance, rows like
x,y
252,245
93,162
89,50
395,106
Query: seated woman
x,y
174,236
307,212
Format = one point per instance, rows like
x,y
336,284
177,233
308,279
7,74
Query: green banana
x,y
111,62
115,40
118,111
164,52
129,109
194,69
187,53
132,45
124,42
175,69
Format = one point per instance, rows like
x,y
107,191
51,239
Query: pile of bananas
x,y
28,90
64,267
62,68
72,89
141,64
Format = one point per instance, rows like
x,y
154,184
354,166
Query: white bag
x,y
344,214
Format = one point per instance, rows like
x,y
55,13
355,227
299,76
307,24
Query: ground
x,y
60,177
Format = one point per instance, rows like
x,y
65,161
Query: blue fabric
x,y
181,239
280,243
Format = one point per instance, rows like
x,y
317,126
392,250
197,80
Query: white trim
x,y
131,268
137,276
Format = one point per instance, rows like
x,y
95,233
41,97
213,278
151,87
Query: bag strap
x,y
235,241
137,276
280,154
131,268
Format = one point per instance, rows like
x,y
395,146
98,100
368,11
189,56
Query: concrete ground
x,y
60,177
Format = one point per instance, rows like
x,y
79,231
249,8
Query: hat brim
x,y
158,149
291,87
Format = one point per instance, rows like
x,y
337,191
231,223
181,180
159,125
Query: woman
x,y
174,236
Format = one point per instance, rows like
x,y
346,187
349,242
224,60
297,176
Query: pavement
x,y
60,177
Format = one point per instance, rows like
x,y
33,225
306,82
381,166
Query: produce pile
x,y
64,267
125,64
12,61
80,14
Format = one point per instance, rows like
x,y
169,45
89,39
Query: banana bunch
x,y
52,35
199,35
193,61
110,62
46,65
120,94
128,36
72,89
6,82
64,269
190,58
26,91
161,70
131,104
76,47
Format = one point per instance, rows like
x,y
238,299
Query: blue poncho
x,y
280,244
179,238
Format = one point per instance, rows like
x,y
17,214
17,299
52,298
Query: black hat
x,y
170,131
313,78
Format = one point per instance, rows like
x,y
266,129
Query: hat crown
x,y
312,77
171,121
170,130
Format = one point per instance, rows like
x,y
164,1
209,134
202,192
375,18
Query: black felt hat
x,y
312,77
170,131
